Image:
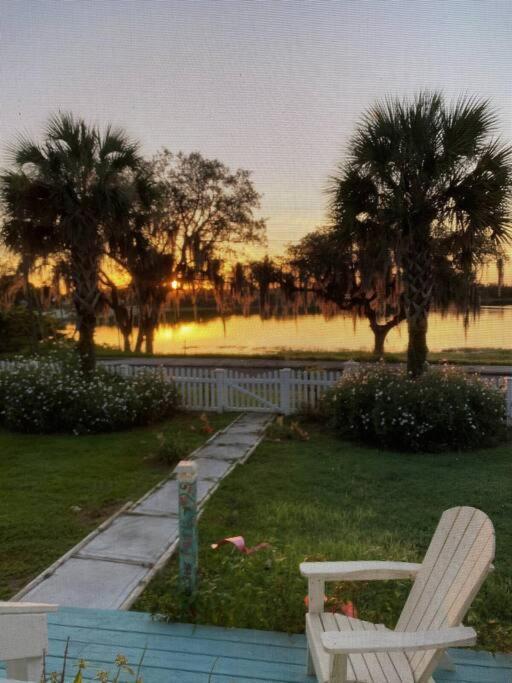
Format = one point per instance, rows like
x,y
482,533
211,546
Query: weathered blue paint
x,y
184,653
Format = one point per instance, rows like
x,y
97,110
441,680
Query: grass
x,y
457,356
325,499
55,489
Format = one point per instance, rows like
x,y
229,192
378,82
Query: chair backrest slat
x,y
456,563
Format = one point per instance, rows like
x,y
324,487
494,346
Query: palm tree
x,y
74,188
426,180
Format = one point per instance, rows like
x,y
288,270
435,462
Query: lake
x,y
239,334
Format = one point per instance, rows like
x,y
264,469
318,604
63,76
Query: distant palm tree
x,y
72,190
425,180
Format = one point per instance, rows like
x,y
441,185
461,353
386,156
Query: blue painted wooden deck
x,y
184,653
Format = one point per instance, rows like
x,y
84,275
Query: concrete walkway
x,y
110,567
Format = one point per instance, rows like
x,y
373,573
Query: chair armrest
x,y
352,642
25,607
359,571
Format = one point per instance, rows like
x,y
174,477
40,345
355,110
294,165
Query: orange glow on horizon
x,y
238,334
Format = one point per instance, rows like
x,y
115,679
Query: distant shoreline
x,y
490,358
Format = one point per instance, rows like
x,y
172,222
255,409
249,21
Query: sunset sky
x,y
275,87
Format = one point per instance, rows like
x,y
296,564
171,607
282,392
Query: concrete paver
x,y
164,501
137,538
219,452
88,583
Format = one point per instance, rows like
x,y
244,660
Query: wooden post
x,y
349,367
187,480
220,380
284,387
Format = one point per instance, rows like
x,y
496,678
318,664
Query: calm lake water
x,y
238,334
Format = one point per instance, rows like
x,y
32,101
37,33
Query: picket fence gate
x,y
231,389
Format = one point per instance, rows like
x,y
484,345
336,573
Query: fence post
x,y
220,381
187,484
509,399
349,367
284,390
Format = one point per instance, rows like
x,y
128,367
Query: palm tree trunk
x,y
86,326
34,326
85,298
417,349
418,284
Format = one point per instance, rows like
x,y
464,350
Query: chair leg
x,y
446,663
339,665
309,663
25,669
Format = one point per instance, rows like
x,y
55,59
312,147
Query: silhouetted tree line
x,y
417,209
84,197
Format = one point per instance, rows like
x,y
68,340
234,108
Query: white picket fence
x,y
282,391
225,389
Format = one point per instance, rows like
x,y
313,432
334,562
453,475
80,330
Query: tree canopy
x,y
427,183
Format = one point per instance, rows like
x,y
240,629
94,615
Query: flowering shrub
x,y
51,394
444,409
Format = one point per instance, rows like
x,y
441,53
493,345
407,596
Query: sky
x,y
272,86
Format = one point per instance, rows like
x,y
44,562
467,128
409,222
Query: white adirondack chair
x,y
23,639
343,649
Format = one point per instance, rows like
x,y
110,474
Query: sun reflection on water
x,y
238,334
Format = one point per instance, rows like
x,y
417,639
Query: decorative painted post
x,y
220,380
187,482
285,386
509,400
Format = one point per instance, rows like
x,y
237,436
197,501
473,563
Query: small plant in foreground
x,y
444,409
121,669
206,427
282,430
170,449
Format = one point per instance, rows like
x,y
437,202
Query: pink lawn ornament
x,y
239,543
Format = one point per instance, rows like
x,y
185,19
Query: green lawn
x,y
55,489
327,499
457,356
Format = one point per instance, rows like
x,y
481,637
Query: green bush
x,y
21,329
444,409
51,394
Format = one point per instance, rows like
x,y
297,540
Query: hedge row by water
x,y
52,394
444,409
